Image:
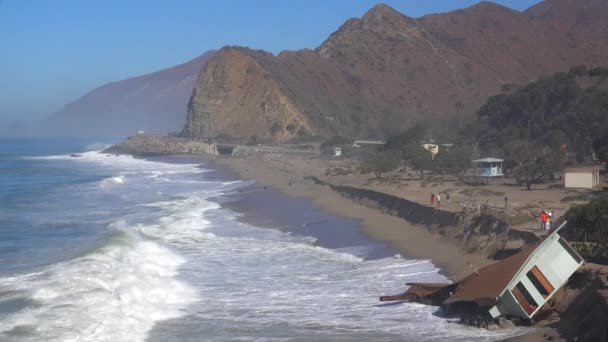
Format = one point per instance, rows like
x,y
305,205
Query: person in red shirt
x,y
543,219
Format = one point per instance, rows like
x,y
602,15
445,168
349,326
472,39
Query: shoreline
x,y
266,206
409,240
390,233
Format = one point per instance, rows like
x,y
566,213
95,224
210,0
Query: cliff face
x,y
385,72
154,102
242,100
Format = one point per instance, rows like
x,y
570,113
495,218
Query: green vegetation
x,y
418,158
601,72
600,146
537,128
336,141
455,162
535,164
385,161
552,112
401,140
588,228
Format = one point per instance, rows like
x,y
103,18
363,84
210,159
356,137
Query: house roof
x,y
488,160
584,168
425,289
490,281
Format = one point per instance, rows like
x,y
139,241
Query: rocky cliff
x,y
385,71
242,99
154,102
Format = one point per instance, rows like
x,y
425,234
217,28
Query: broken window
x,y
540,282
524,298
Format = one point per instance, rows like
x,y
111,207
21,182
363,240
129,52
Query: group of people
x,y
546,219
436,198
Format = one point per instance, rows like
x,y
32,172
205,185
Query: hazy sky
x,y
54,51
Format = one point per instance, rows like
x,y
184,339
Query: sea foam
x,y
183,256
114,294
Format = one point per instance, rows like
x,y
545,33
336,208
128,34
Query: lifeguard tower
x,y
488,167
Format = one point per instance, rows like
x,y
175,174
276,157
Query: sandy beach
x,y
283,191
290,174
408,239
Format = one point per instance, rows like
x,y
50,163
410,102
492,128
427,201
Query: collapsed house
x,y
516,287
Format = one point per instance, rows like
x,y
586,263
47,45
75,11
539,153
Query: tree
x,y
384,162
418,158
600,146
455,162
535,166
588,227
599,72
579,71
551,112
410,136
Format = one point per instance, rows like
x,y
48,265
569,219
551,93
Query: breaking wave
x,y
116,293
179,266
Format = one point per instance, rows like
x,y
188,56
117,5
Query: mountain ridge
x,y
386,71
154,102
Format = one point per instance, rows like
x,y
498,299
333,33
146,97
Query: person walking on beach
x,y
506,201
432,199
543,220
447,198
438,200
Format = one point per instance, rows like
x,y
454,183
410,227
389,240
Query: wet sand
x,y
267,207
412,241
283,199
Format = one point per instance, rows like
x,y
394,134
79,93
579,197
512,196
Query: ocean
x,y
113,248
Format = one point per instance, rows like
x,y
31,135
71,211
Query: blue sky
x,y
54,51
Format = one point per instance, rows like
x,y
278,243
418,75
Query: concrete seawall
x,y
396,206
432,218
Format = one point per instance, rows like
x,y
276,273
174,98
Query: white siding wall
x,y
554,261
557,264
579,180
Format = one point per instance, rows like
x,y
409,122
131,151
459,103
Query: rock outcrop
x,y
141,145
385,71
242,99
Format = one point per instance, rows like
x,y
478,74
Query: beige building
x,y
433,148
586,177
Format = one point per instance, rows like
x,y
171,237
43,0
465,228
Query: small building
x,y
359,143
518,286
337,151
585,177
433,148
488,167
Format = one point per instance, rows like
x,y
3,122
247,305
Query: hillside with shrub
x,y
565,111
385,72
